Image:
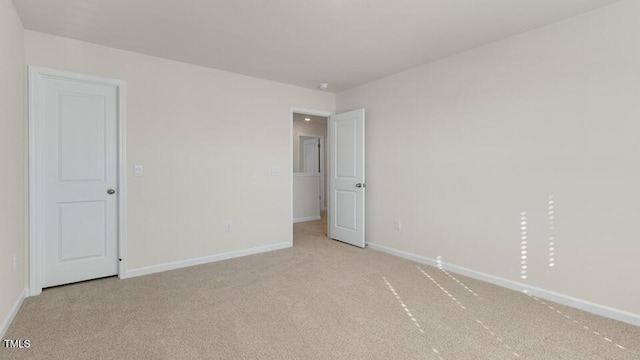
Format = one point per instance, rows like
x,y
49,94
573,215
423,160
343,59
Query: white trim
x,y
298,110
12,313
307,218
303,111
122,181
205,260
323,175
588,306
35,187
306,174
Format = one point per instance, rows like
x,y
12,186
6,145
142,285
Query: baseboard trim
x,y
588,306
12,314
203,260
308,218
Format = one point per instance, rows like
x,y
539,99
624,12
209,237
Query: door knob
x,y
111,191
360,185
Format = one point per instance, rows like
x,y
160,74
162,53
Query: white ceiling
x,y
345,43
313,119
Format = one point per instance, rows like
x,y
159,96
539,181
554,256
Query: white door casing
x,y
76,155
323,179
346,215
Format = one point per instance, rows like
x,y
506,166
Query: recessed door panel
x,y
345,210
345,134
81,234
82,137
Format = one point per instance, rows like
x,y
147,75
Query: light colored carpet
x,y
319,300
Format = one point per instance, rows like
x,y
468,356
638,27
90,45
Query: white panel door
x,y
346,178
79,179
311,156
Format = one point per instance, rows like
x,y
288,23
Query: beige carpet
x,y
319,300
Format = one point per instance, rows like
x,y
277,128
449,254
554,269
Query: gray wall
x,y
458,148
13,177
208,140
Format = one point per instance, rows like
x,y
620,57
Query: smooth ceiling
x,y
314,119
343,42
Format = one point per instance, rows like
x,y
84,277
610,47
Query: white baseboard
x,y
202,260
308,218
588,306
12,314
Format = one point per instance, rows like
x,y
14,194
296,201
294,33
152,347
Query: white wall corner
x,y
12,314
602,310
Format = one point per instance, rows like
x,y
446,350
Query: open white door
x,y
346,178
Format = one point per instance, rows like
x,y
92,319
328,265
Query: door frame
x,y
305,111
36,74
322,166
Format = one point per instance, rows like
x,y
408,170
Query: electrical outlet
x,y
397,224
227,226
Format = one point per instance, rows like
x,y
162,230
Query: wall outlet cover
x,y
397,224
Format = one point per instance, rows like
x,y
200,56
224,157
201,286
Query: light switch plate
x,y
138,170
275,170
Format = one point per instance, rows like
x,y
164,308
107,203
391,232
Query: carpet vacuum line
x,y
479,322
441,267
585,327
410,315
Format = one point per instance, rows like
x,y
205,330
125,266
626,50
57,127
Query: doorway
x,y
76,178
308,166
344,173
